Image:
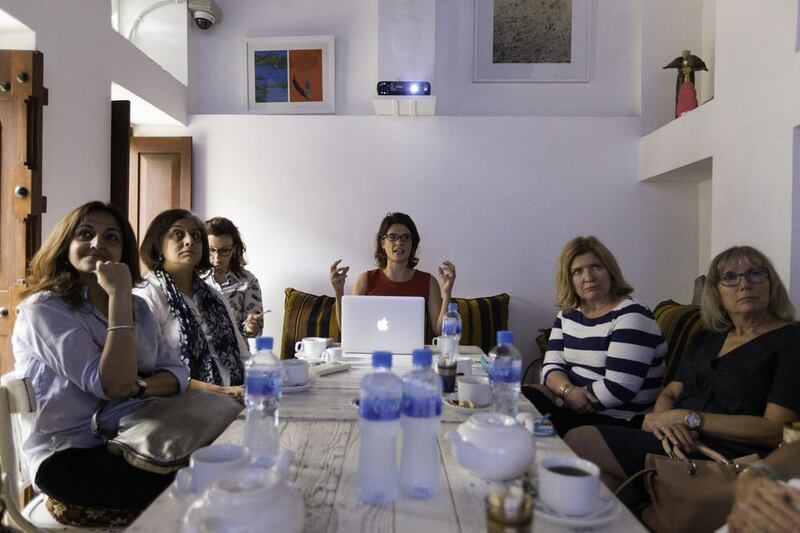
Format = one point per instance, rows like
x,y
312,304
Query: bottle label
x,y
506,371
379,408
451,328
425,407
263,385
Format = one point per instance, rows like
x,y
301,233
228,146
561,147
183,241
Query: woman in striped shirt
x,y
604,360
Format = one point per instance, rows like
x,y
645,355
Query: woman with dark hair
x,y
195,319
81,337
736,385
228,275
396,257
605,356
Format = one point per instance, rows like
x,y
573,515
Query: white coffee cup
x,y
295,372
474,389
569,485
334,353
209,463
311,347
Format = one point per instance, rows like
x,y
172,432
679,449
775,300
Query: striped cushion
x,y
307,315
679,323
482,318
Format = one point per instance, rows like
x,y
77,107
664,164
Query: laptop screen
x,y
391,323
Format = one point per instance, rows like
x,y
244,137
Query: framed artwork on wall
x,y
532,40
291,75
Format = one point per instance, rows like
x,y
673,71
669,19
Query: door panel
x,y
21,203
160,178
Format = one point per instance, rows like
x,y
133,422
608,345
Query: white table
x,y
321,426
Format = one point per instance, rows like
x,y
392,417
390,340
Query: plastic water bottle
x,y
263,375
451,331
422,413
379,426
505,373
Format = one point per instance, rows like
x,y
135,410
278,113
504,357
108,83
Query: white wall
x,y
498,196
82,56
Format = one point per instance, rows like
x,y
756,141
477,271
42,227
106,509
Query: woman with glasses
x,y
605,356
228,275
196,320
395,255
736,385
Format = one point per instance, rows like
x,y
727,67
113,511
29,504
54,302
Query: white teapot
x,y
249,500
494,446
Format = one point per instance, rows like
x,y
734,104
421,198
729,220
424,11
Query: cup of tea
x,y
209,463
295,372
332,354
569,485
311,347
474,390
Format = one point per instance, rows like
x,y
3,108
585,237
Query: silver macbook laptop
x,y
391,323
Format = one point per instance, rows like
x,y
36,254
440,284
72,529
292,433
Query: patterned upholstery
x,y
679,323
307,315
482,318
91,517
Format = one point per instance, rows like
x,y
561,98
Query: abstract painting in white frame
x,y
575,67
291,75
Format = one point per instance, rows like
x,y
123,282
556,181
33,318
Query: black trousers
x,y
564,419
98,478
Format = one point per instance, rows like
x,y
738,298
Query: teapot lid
x,y
492,420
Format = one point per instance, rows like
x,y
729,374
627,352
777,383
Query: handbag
x,y
161,435
692,495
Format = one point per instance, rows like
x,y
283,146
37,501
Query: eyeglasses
x,y
222,252
754,276
394,237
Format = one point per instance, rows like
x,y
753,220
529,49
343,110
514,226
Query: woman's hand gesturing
x,y
447,277
338,277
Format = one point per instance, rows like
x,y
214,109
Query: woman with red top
x,y
395,254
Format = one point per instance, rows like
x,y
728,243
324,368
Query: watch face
x,y
693,420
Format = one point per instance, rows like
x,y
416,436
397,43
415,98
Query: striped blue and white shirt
x,y
619,356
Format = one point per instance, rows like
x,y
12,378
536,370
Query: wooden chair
x,y
16,401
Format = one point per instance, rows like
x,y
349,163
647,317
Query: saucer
x,y
451,401
309,360
299,388
608,509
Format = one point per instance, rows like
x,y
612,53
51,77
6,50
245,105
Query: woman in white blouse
x,y
82,338
195,319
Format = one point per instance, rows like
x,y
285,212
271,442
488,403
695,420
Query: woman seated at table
x,y
396,257
736,385
228,275
195,319
604,360
82,338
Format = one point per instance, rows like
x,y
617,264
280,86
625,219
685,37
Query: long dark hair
x,y
386,223
153,255
50,269
220,226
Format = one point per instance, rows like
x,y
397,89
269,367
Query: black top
x,y
742,382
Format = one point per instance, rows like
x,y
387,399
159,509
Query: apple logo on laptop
x,y
383,324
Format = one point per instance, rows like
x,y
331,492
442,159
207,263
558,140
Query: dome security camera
x,y
206,13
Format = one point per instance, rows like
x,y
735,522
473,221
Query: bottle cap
x,y
452,306
422,357
263,343
382,359
505,337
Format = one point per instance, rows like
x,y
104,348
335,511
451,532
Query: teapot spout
x,y
466,453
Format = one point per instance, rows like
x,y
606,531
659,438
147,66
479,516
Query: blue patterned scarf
x,y
216,331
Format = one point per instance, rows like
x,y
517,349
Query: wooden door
x,y
21,202
160,178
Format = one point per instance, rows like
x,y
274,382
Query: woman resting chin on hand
x,y
81,337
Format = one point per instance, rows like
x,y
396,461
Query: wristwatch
x,y
141,387
693,420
